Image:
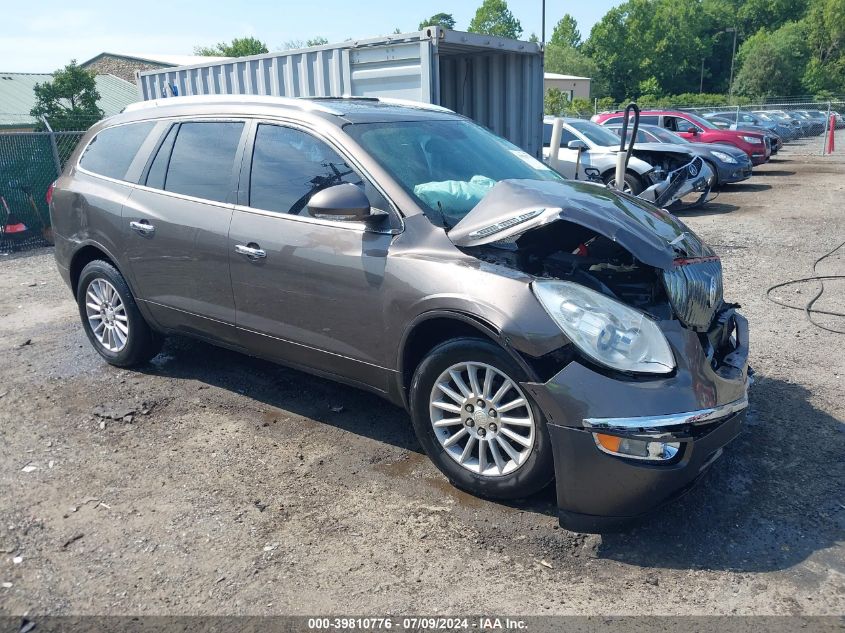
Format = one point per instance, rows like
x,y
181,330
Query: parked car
x,y
787,122
666,175
818,118
774,141
596,149
750,121
812,127
695,128
728,163
536,329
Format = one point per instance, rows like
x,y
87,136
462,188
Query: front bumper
x,y
737,172
699,406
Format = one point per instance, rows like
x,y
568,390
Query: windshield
x,y
595,133
700,122
447,165
665,136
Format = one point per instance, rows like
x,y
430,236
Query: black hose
x,y
808,308
631,107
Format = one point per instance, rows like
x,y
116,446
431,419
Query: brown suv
x,y
534,328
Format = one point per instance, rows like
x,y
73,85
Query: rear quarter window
x,y
111,151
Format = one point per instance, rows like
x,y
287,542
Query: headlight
x,y
607,331
752,139
725,158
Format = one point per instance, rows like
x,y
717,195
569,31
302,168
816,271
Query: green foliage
x,y
556,103
69,100
295,44
238,47
566,33
444,20
826,39
494,18
773,63
567,60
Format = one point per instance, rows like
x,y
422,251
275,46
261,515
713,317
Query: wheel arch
x,y
435,327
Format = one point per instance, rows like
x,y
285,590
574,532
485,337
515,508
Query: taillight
x,y
49,196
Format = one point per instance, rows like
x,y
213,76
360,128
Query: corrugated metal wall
x,y
502,91
497,82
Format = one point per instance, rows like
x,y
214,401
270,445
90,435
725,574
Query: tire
x,y
133,343
515,480
714,184
632,181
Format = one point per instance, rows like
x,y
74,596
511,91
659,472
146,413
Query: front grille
x,y
694,288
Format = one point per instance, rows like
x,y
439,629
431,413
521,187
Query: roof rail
x,y
292,102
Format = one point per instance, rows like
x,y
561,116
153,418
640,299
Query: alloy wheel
x,y
106,314
482,419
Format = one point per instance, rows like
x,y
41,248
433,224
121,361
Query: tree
x,y
69,100
444,20
773,63
494,18
641,39
238,47
566,32
825,72
314,41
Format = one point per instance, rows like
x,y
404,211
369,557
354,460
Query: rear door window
x,y
111,151
565,136
202,160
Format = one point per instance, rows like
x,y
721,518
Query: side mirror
x,y
577,145
344,202
694,130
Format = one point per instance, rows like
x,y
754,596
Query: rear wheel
x,y
111,318
477,424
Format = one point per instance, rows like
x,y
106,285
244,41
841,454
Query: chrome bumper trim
x,y
662,422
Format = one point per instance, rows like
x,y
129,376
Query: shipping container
x,y
495,81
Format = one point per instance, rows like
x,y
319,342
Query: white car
x,y
654,170
600,147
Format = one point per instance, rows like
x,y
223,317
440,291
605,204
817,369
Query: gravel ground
x,y
213,483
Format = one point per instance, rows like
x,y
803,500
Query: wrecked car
x,y
536,329
667,175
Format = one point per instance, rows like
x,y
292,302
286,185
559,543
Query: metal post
x,y
53,145
733,57
701,84
826,131
543,28
595,105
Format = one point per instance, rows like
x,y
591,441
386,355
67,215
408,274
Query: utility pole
x,y
733,57
701,83
543,27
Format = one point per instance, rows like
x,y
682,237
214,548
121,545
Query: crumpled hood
x,y
513,207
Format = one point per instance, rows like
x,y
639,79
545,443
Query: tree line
x,y
657,48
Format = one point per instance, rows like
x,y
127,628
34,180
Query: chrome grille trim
x,y
695,291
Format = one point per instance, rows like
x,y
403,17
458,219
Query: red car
x,y
698,130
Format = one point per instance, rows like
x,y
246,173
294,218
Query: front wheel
x,y
632,182
111,319
477,424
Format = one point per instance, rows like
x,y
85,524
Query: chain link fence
x,y
32,156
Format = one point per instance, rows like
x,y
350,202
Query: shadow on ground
x,y
772,500
287,389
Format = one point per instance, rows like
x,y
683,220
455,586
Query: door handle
x,y
143,227
251,250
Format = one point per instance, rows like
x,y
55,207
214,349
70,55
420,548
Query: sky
x,y
43,35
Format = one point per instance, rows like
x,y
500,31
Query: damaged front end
x,y
679,179
657,381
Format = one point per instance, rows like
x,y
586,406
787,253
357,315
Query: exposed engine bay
x,y
630,251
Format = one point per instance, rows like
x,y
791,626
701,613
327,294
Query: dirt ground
x,y
213,483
